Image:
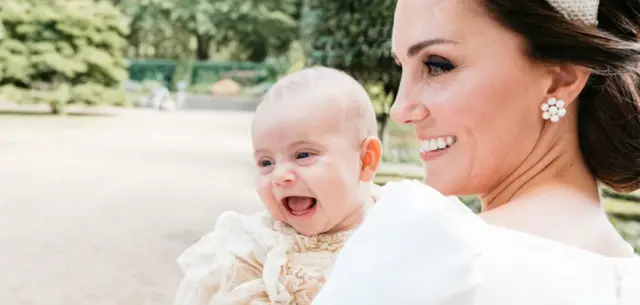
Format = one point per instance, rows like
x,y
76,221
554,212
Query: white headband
x,y
585,11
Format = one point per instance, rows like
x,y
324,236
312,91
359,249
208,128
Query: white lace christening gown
x,y
254,260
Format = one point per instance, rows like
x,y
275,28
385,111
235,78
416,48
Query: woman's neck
x,y
554,163
553,194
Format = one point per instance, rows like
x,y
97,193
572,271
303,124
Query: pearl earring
x,y
553,110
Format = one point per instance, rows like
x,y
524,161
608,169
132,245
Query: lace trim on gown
x,y
255,260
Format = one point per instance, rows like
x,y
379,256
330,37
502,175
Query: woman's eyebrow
x,y
417,47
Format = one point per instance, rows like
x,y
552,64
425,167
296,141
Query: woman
x,y
528,104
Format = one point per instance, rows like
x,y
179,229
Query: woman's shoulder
x,y
440,252
584,276
628,274
412,234
515,260
413,206
416,195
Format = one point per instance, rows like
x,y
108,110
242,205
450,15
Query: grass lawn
x,y
402,144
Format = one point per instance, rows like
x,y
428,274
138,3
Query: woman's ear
x,y
370,157
567,82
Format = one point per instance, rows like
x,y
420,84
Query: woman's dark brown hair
x,y
609,105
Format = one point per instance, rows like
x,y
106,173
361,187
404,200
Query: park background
x,y
124,130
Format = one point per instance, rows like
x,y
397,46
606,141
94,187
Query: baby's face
x,y
309,169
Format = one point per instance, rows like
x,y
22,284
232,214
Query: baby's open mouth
x,y
299,205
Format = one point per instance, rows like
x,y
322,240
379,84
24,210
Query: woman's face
x,y
466,86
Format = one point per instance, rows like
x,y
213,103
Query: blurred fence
x,y
199,73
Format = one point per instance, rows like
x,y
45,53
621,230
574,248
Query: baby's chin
x,y
308,231
319,229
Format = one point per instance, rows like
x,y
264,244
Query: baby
x,y
316,150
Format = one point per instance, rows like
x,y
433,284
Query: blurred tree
x,y
198,18
354,36
259,27
256,27
182,29
62,51
153,33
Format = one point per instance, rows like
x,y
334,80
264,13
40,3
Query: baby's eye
x,y
302,155
265,163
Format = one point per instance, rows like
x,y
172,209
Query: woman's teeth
x,y
437,143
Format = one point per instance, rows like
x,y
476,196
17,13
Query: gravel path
x,y
95,210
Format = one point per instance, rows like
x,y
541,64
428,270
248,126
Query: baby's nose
x,y
283,176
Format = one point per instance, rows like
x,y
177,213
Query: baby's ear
x,y
370,157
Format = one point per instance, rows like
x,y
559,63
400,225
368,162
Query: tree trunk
x,y
258,52
203,49
58,109
383,132
390,88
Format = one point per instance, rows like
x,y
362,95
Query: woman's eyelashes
x,y
437,65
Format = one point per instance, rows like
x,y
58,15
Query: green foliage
x,y
259,27
158,70
53,50
153,34
95,94
382,98
629,229
200,89
148,86
354,36
189,29
13,93
245,73
201,74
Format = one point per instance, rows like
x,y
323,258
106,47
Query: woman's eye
x,y
302,155
265,163
437,65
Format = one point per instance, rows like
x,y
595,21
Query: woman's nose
x,y
408,110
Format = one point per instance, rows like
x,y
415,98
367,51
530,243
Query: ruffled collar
x,y
322,242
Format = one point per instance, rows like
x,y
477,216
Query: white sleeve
x,y
416,246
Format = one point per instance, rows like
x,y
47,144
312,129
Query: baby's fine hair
x,y
323,84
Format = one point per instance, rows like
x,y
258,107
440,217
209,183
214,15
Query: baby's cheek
x,y
266,196
264,189
340,194
275,209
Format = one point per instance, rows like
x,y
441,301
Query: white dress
x,y
255,260
417,247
